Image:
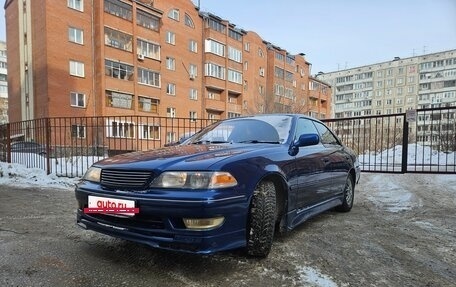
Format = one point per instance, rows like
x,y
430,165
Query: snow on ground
x,y
393,197
19,175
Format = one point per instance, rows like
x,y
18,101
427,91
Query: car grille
x,y
125,179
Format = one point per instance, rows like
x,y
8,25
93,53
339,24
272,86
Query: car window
x,y
305,126
272,129
326,135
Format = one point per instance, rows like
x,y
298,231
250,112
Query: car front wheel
x,y
261,222
349,194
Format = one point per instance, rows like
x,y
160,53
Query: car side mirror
x,y
307,140
303,140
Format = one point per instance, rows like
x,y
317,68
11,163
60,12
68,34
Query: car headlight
x,y
93,174
194,180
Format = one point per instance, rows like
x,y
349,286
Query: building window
x,y
77,100
148,49
174,14
170,137
410,90
193,94
148,77
215,47
118,70
260,53
279,56
261,72
77,69
189,21
76,4
214,70
246,65
170,38
234,76
171,89
170,63
234,54
193,116
119,100
233,115
215,25
213,95
193,46
411,79
75,35
247,46
118,39
118,8
148,105
261,90
147,20
120,129
193,71
289,76
278,90
235,35
78,131
149,132
279,72
171,112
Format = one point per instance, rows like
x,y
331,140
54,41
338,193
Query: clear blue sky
x,y
338,34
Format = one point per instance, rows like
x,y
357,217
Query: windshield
x,y
259,129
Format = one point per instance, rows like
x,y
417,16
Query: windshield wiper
x,y
257,141
209,142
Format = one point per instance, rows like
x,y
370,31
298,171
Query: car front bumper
x,y
159,222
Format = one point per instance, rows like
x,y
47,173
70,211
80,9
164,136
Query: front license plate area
x,y
111,206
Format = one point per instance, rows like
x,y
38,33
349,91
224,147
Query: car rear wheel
x,y
349,194
261,222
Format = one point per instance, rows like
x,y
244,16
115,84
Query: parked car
x,y
28,147
230,186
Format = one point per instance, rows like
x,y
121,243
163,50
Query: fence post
x,y
8,142
405,134
48,145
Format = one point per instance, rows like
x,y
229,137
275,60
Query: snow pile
x,y
19,175
417,154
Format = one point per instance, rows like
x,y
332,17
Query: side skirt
x,y
297,216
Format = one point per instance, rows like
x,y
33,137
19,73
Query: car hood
x,y
188,157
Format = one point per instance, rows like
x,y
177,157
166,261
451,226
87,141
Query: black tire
x,y
349,195
261,221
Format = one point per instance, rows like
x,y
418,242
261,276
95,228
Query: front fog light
x,y
203,223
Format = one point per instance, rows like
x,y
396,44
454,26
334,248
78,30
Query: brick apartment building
x,y
3,84
163,58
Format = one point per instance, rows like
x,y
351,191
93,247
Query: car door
x,y
336,161
311,178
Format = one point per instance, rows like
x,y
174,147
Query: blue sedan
x,y
231,185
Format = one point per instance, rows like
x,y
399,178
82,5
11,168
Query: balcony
x,y
215,105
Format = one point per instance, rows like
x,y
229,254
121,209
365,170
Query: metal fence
x,y
68,146
420,142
